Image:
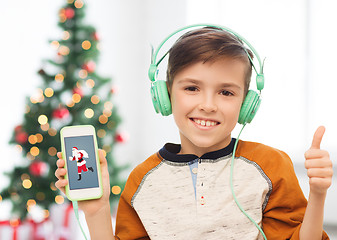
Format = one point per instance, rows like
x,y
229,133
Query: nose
x,y
208,103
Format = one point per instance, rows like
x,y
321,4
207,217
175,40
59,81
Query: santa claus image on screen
x,y
78,155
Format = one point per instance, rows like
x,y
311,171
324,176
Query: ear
x,y
168,89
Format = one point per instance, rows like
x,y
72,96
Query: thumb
x,y
102,159
317,139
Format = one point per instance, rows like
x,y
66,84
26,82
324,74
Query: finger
x,y
60,184
320,173
60,163
60,173
316,154
59,155
102,159
317,139
323,163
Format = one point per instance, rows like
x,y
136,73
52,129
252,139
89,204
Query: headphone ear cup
x,y
249,107
160,98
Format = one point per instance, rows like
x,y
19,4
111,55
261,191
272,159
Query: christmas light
x,y
30,203
25,176
111,124
59,77
107,112
49,92
52,151
64,50
52,186
45,127
83,74
101,133
27,183
90,83
70,104
18,147
43,119
0,198
55,44
95,99
78,4
86,45
108,105
66,35
89,113
59,199
37,97
76,98
32,139
39,137
62,15
52,132
103,119
116,190
34,151
70,1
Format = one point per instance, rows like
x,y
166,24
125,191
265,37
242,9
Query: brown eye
x,y
191,89
226,93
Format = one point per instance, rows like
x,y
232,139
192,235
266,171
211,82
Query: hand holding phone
x,y
79,149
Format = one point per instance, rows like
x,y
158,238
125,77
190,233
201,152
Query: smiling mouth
x,y
205,123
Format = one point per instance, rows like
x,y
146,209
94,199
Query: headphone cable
x,y
75,207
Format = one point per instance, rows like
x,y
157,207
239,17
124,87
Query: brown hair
x,y
207,44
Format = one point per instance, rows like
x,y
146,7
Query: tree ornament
x,y
113,89
39,168
121,137
18,129
69,13
42,72
78,91
95,36
89,66
21,136
60,113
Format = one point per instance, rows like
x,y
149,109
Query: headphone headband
x,y
154,65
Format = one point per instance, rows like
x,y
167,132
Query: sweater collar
x,y
170,153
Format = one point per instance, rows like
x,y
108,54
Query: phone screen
x,y
81,162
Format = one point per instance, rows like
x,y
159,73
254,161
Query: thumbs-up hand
x,y
318,164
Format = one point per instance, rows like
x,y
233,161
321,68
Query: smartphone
x,y
80,152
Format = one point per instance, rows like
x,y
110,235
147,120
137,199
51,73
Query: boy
x,y
183,192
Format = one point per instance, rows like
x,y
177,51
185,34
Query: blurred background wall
x,y
296,37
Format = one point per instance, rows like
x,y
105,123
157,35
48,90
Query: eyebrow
x,y
196,81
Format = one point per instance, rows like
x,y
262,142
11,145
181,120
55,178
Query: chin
x,y
209,146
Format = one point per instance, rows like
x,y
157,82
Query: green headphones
x,y
160,97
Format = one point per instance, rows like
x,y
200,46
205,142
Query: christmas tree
x,y
72,93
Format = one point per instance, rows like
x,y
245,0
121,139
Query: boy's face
x,y
206,100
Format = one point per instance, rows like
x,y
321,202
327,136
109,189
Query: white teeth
x,y
206,123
